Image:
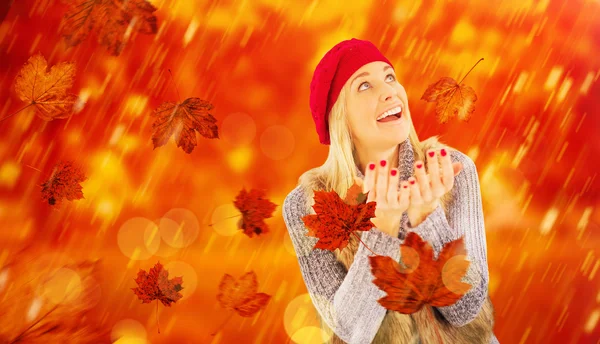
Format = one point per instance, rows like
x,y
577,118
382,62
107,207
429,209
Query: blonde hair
x,y
339,169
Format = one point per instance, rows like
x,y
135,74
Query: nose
x,y
388,93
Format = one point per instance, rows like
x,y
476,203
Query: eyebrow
x,y
366,73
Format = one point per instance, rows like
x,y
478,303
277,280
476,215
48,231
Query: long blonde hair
x,y
339,169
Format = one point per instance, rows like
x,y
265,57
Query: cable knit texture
x,y
346,299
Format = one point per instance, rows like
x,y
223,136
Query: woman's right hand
x,y
381,184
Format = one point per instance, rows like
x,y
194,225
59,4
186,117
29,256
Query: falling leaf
x,y
113,20
255,208
63,183
335,219
420,280
156,285
451,99
241,296
182,121
46,91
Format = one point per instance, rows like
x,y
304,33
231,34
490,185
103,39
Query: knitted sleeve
x,y
346,300
465,218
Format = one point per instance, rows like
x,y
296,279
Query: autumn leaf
x,y
451,98
420,280
182,121
46,91
113,20
156,285
336,219
355,195
63,183
255,208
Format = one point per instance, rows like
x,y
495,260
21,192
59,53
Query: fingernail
x,y
431,154
443,152
394,172
383,162
419,165
412,182
405,186
371,166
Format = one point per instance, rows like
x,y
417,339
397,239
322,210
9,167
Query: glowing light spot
x,y
63,286
300,320
225,219
238,129
277,142
548,220
239,159
128,331
191,31
138,239
9,173
186,231
190,277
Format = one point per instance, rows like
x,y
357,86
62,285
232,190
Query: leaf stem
x,y
16,112
481,59
357,237
157,324
223,324
225,219
434,324
172,77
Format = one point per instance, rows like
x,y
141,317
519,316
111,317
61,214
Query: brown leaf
x,y
255,208
182,121
335,220
47,91
241,295
420,280
114,21
451,99
63,183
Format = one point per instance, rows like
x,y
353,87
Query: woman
x,y
362,112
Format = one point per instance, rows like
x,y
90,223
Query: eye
x,y
392,75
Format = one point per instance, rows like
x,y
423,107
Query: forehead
x,y
372,67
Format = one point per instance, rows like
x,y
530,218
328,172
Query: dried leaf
x,y
114,21
451,99
182,121
241,295
63,183
335,220
156,285
255,208
420,280
47,91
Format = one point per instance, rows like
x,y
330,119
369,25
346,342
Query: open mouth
x,y
390,115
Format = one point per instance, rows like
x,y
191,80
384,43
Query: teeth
x,y
390,112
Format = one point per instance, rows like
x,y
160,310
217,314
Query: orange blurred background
x,y
534,137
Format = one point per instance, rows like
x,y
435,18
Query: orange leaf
x,y
114,21
451,99
335,220
47,91
255,208
421,280
355,195
63,183
156,285
182,121
241,295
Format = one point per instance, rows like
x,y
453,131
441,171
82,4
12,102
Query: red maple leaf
x,y
63,183
336,219
255,208
182,121
156,285
420,280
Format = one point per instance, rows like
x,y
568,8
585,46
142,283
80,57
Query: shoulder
x,y
294,202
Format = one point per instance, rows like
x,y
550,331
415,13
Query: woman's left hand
x,y
428,187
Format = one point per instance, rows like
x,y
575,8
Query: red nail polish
x,y
405,186
412,181
394,172
383,162
371,166
419,165
431,154
443,152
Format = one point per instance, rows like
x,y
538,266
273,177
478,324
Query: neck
x,y
364,155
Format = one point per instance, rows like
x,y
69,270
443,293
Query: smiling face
x,y
370,92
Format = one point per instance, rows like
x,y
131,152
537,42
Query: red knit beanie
x,y
332,72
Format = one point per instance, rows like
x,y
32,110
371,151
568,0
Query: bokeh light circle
x,y
300,320
186,231
225,218
450,272
165,250
138,238
410,258
62,286
237,129
277,142
190,277
128,331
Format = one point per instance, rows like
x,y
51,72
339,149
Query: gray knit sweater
x,y
347,301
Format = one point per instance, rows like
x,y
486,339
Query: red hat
x,y
332,72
